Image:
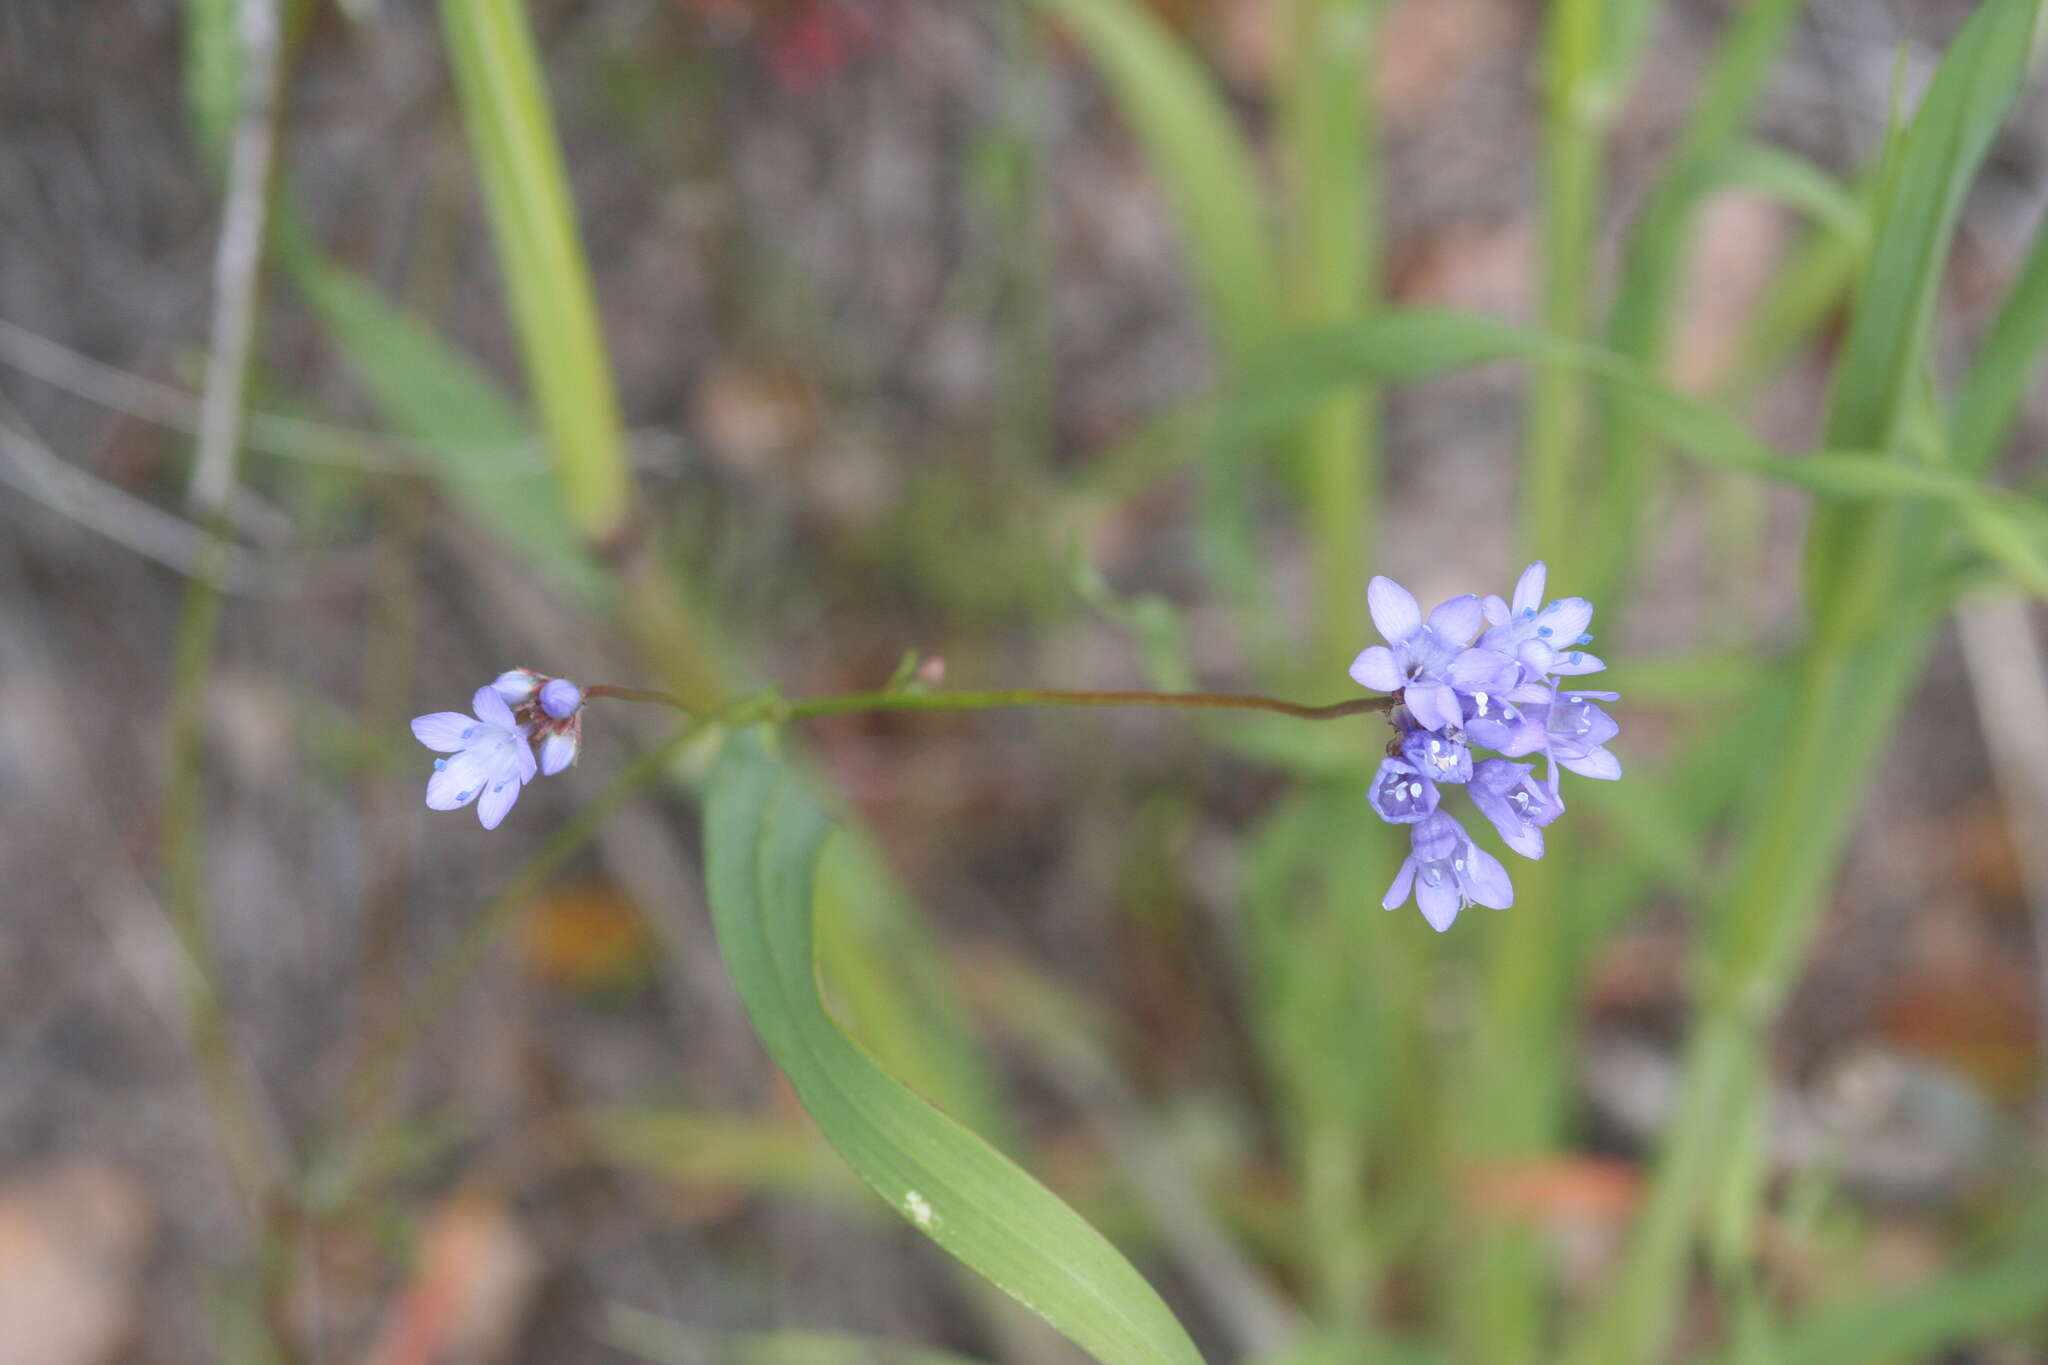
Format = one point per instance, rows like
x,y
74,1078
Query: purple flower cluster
x,y
1480,673
491,753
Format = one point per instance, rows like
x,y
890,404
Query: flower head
x,y
1480,674
1448,872
493,751
490,762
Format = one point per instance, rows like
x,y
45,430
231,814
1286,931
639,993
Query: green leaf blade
x,y
764,836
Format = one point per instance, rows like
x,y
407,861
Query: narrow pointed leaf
x,y
763,836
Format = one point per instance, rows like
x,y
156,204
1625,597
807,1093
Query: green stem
x,y
775,709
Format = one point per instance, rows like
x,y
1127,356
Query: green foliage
x,y
1378,1106
762,837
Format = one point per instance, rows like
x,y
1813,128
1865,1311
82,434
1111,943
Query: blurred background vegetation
x,y
354,350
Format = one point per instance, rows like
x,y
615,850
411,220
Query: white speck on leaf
x,y
920,1209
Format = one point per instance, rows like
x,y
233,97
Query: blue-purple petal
x,y
1398,892
1439,900
1433,704
1485,880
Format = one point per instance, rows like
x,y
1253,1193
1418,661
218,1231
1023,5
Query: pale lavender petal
x,y
1458,620
1433,704
527,767
515,685
1526,840
1583,694
1526,739
1573,662
1482,670
1595,763
1529,588
556,753
1398,892
456,781
1495,609
496,800
1376,670
491,708
444,731
1564,621
1394,609
1439,901
1485,880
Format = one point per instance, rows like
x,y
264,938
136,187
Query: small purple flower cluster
x,y
1480,672
492,751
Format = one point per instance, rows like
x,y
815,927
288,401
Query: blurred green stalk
x,y
520,162
1330,269
511,128
1865,649
1652,274
1576,111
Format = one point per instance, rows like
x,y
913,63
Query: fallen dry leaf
x,y
1557,1188
74,1238
468,1298
586,935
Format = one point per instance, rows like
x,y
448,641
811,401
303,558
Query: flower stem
x,y
776,709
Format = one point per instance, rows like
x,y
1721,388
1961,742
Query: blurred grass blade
x,y
656,1338
1792,179
1292,375
473,437
2004,367
1921,1324
1196,150
511,130
720,1153
213,77
763,835
1639,326
1884,355
1883,367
